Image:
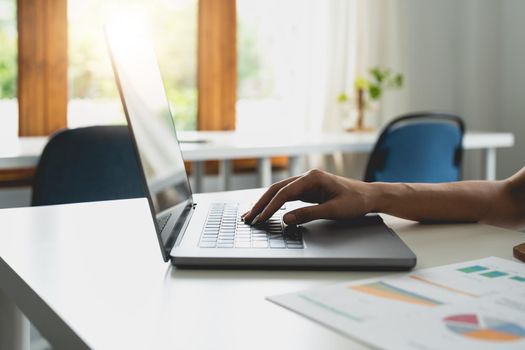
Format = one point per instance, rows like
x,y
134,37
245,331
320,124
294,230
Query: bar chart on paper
x,y
490,277
384,290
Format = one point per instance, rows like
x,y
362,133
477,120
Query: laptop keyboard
x,y
224,228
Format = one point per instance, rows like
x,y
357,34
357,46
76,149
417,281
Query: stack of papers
x,y
471,305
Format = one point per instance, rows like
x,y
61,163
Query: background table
x,y
228,145
91,275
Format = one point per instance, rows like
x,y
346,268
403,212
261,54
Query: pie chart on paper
x,y
484,328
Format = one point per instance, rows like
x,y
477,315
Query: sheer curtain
x,y
359,34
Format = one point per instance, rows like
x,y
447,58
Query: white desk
x,y
91,275
225,146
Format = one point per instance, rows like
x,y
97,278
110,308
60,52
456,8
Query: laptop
x,y
206,230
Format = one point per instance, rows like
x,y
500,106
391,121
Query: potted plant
x,y
371,90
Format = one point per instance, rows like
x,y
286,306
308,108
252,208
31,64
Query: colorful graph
x,y
483,271
518,278
388,291
471,269
494,274
484,328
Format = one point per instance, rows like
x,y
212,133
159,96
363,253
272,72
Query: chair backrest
x,y
419,147
87,164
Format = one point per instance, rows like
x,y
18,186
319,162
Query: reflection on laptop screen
x,y
148,111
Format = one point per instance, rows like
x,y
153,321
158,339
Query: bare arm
x,y
500,203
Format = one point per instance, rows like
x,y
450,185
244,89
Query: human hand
x,y
336,198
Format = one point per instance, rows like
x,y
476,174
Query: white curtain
x,y
359,35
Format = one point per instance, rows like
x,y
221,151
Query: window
x,y
8,70
279,55
93,96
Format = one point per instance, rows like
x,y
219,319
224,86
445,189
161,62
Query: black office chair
x,y
87,164
419,147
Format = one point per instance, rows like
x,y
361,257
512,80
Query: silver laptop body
x,y
205,230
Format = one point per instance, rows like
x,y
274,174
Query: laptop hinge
x,y
178,230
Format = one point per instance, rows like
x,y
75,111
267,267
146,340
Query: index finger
x,y
266,198
291,191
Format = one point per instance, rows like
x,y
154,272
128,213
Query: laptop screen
x,y
153,130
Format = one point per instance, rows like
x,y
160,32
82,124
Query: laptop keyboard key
x,y
277,244
225,245
227,233
294,246
260,244
243,244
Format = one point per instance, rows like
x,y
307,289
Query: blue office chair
x,y
87,164
419,147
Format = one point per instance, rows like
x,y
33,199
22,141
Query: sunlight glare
x,y
127,26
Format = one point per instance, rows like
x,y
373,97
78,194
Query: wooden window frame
x,y
217,64
42,66
42,90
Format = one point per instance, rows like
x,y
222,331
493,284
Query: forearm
x,y
490,202
500,203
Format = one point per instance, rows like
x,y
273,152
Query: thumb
x,y
306,214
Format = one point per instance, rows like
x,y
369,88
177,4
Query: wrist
x,y
372,197
381,196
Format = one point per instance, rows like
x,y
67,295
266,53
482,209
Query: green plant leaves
x,y
375,92
342,98
381,79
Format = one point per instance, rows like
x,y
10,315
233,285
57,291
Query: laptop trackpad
x,y
366,237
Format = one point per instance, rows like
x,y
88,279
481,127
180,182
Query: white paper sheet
x,y
477,304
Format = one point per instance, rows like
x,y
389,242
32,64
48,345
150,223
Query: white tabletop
x,y
25,151
92,274
230,144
